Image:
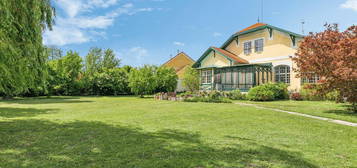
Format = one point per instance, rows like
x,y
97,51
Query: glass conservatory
x,y
242,77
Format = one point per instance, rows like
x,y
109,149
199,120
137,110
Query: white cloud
x,y
216,34
103,3
75,7
135,56
179,43
61,36
350,4
79,26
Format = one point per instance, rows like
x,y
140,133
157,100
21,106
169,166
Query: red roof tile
x,y
252,27
231,55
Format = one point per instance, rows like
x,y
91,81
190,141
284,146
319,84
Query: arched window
x,y
282,74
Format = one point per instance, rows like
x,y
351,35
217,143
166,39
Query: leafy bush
x,y
260,94
209,97
65,74
150,79
191,80
185,95
235,95
280,90
310,92
110,82
142,80
333,96
166,79
268,92
207,100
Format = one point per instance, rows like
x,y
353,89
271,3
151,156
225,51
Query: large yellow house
x,y
180,62
255,55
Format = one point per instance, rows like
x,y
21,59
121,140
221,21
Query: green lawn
x,y
130,132
327,109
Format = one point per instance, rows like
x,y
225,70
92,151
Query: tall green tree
x,y
54,53
191,80
22,54
93,61
109,59
66,74
166,79
111,82
143,80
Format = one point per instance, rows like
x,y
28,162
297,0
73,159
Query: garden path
x,y
341,122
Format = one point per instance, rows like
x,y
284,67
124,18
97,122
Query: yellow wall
x,y
279,45
181,72
276,51
214,60
179,63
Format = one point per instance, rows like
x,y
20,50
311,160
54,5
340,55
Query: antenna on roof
x,y
302,26
262,10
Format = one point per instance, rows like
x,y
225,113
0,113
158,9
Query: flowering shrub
x,y
204,96
296,96
235,95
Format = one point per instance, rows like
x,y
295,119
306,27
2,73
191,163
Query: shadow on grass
x,y
46,100
344,111
39,143
22,112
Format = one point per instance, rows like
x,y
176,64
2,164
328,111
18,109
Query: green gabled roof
x,y
262,27
230,56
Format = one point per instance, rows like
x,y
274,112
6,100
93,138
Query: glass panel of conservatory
x,y
228,78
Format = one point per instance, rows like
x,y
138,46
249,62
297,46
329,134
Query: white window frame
x,y
314,79
252,50
251,47
205,76
262,46
287,75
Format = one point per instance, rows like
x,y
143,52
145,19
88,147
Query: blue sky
x,y
149,31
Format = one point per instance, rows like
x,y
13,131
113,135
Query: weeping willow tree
x,y
22,54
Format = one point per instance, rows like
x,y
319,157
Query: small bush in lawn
x,y
280,90
333,96
209,97
268,92
207,100
186,94
235,95
260,94
213,95
309,92
296,96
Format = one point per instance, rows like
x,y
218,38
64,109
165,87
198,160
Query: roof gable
x,y
257,27
252,27
228,55
179,61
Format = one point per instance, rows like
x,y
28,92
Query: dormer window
x,y
259,45
247,47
